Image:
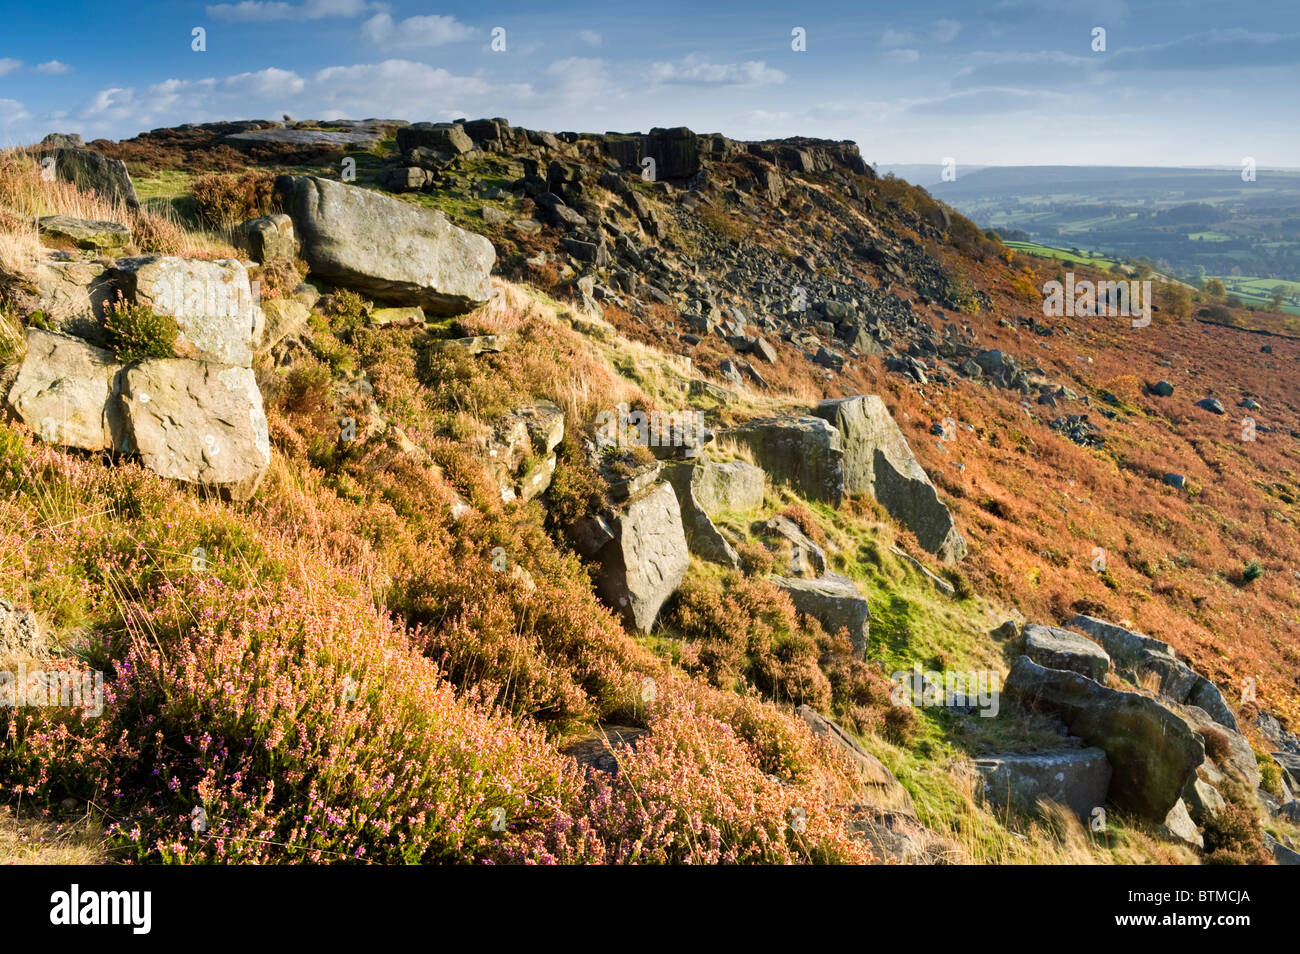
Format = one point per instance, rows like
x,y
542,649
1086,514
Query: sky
x,y
980,82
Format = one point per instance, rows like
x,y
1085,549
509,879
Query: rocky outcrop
x,y
805,452
197,422
878,462
1152,751
1075,778
702,536
65,392
834,601
212,302
1136,656
802,556
1062,649
644,556
391,250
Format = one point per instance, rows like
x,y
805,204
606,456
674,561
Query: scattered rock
x,y
645,559
268,239
1178,826
92,172
1213,405
884,790
92,234
63,392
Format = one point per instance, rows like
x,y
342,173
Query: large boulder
x,y
64,392
878,462
389,249
1075,778
834,601
1136,656
1062,649
646,557
805,452
197,422
212,302
92,172
1152,751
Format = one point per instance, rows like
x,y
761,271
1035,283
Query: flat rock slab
x,y
1075,778
86,233
1062,649
393,251
325,138
64,392
197,422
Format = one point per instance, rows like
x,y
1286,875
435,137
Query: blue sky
x,y
1181,82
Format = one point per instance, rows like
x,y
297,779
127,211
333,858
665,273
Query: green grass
x,y
1064,254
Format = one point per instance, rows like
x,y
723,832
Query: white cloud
x,y
381,30
694,69
53,68
896,38
8,65
590,37
945,31
404,89
267,83
902,56
251,11
12,111
580,79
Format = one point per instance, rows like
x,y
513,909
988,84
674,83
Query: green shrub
x,y
1252,571
136,331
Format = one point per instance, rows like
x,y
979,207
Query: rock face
x,y
91,172
20,634
834,601
1152,751
281,318
1135,655
390,250
91,234
1075,778
644,562
212,303
64,392
197,422
1062,649
804,452
878,462
883,789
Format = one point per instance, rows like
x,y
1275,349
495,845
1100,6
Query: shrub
x,y
1252,571
1233,836
306,386
900,724
137,331
227,200
1217,744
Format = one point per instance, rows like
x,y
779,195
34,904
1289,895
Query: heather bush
x,y
226,200
136,331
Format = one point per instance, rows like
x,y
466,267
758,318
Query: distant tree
x,y
1213,288
1174,299
1232,301
1278,297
